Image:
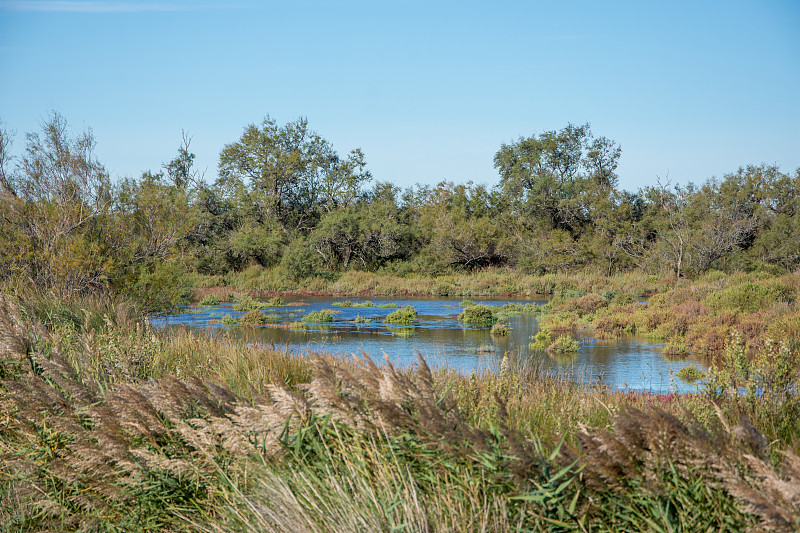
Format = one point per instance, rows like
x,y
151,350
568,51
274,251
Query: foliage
x,y
404,316
210,300
478,315
500,330
318,317
690,373
562,345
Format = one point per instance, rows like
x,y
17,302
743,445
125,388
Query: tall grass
x,y
207,434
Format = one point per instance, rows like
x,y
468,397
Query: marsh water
x,y
627,363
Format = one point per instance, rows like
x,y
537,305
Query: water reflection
x,y
631,362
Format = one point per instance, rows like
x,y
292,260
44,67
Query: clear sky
x,y
429,90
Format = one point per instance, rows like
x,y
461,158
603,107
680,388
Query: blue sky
x,y
428,90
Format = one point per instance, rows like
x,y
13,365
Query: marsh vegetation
x,y
111,424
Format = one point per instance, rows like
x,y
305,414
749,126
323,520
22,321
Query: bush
x,y
405,315
540,341
691,373
228,320
675,350
210,300
318,317
563,344
245,302
478,315
254,318
298,260
500,330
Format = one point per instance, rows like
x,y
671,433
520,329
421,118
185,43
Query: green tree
x,y
290,174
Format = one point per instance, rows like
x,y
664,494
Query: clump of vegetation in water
x,y
404,316
540,341
675,350
512,309
361,320
691,373
478,315
228,320
562,345
466,303
245,302
318,317
499,330
210,300
275,301
256,318
389,305
349,303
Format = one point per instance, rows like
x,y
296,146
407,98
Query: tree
x,y
546,177
290,174
55,202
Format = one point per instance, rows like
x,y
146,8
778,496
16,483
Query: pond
x,y
627,363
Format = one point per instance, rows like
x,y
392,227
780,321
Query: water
x,y
630,362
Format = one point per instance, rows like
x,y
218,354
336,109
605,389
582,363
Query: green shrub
x,y
405,315
387,306
675,350
500,330
275,301
228,320
245,302
478,315
691,373
563,344
540,341
210,300
254,318
361,320
318,317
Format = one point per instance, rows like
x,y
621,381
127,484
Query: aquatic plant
x,y
562,345
691,373
245,302
255,318
500,330
478,315
318,317
210,300
228,320
404,315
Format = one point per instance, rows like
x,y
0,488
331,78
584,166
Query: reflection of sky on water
x,y
630,362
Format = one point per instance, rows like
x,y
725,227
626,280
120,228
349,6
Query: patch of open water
x,y
631,362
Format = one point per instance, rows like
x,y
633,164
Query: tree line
x,y
285,198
